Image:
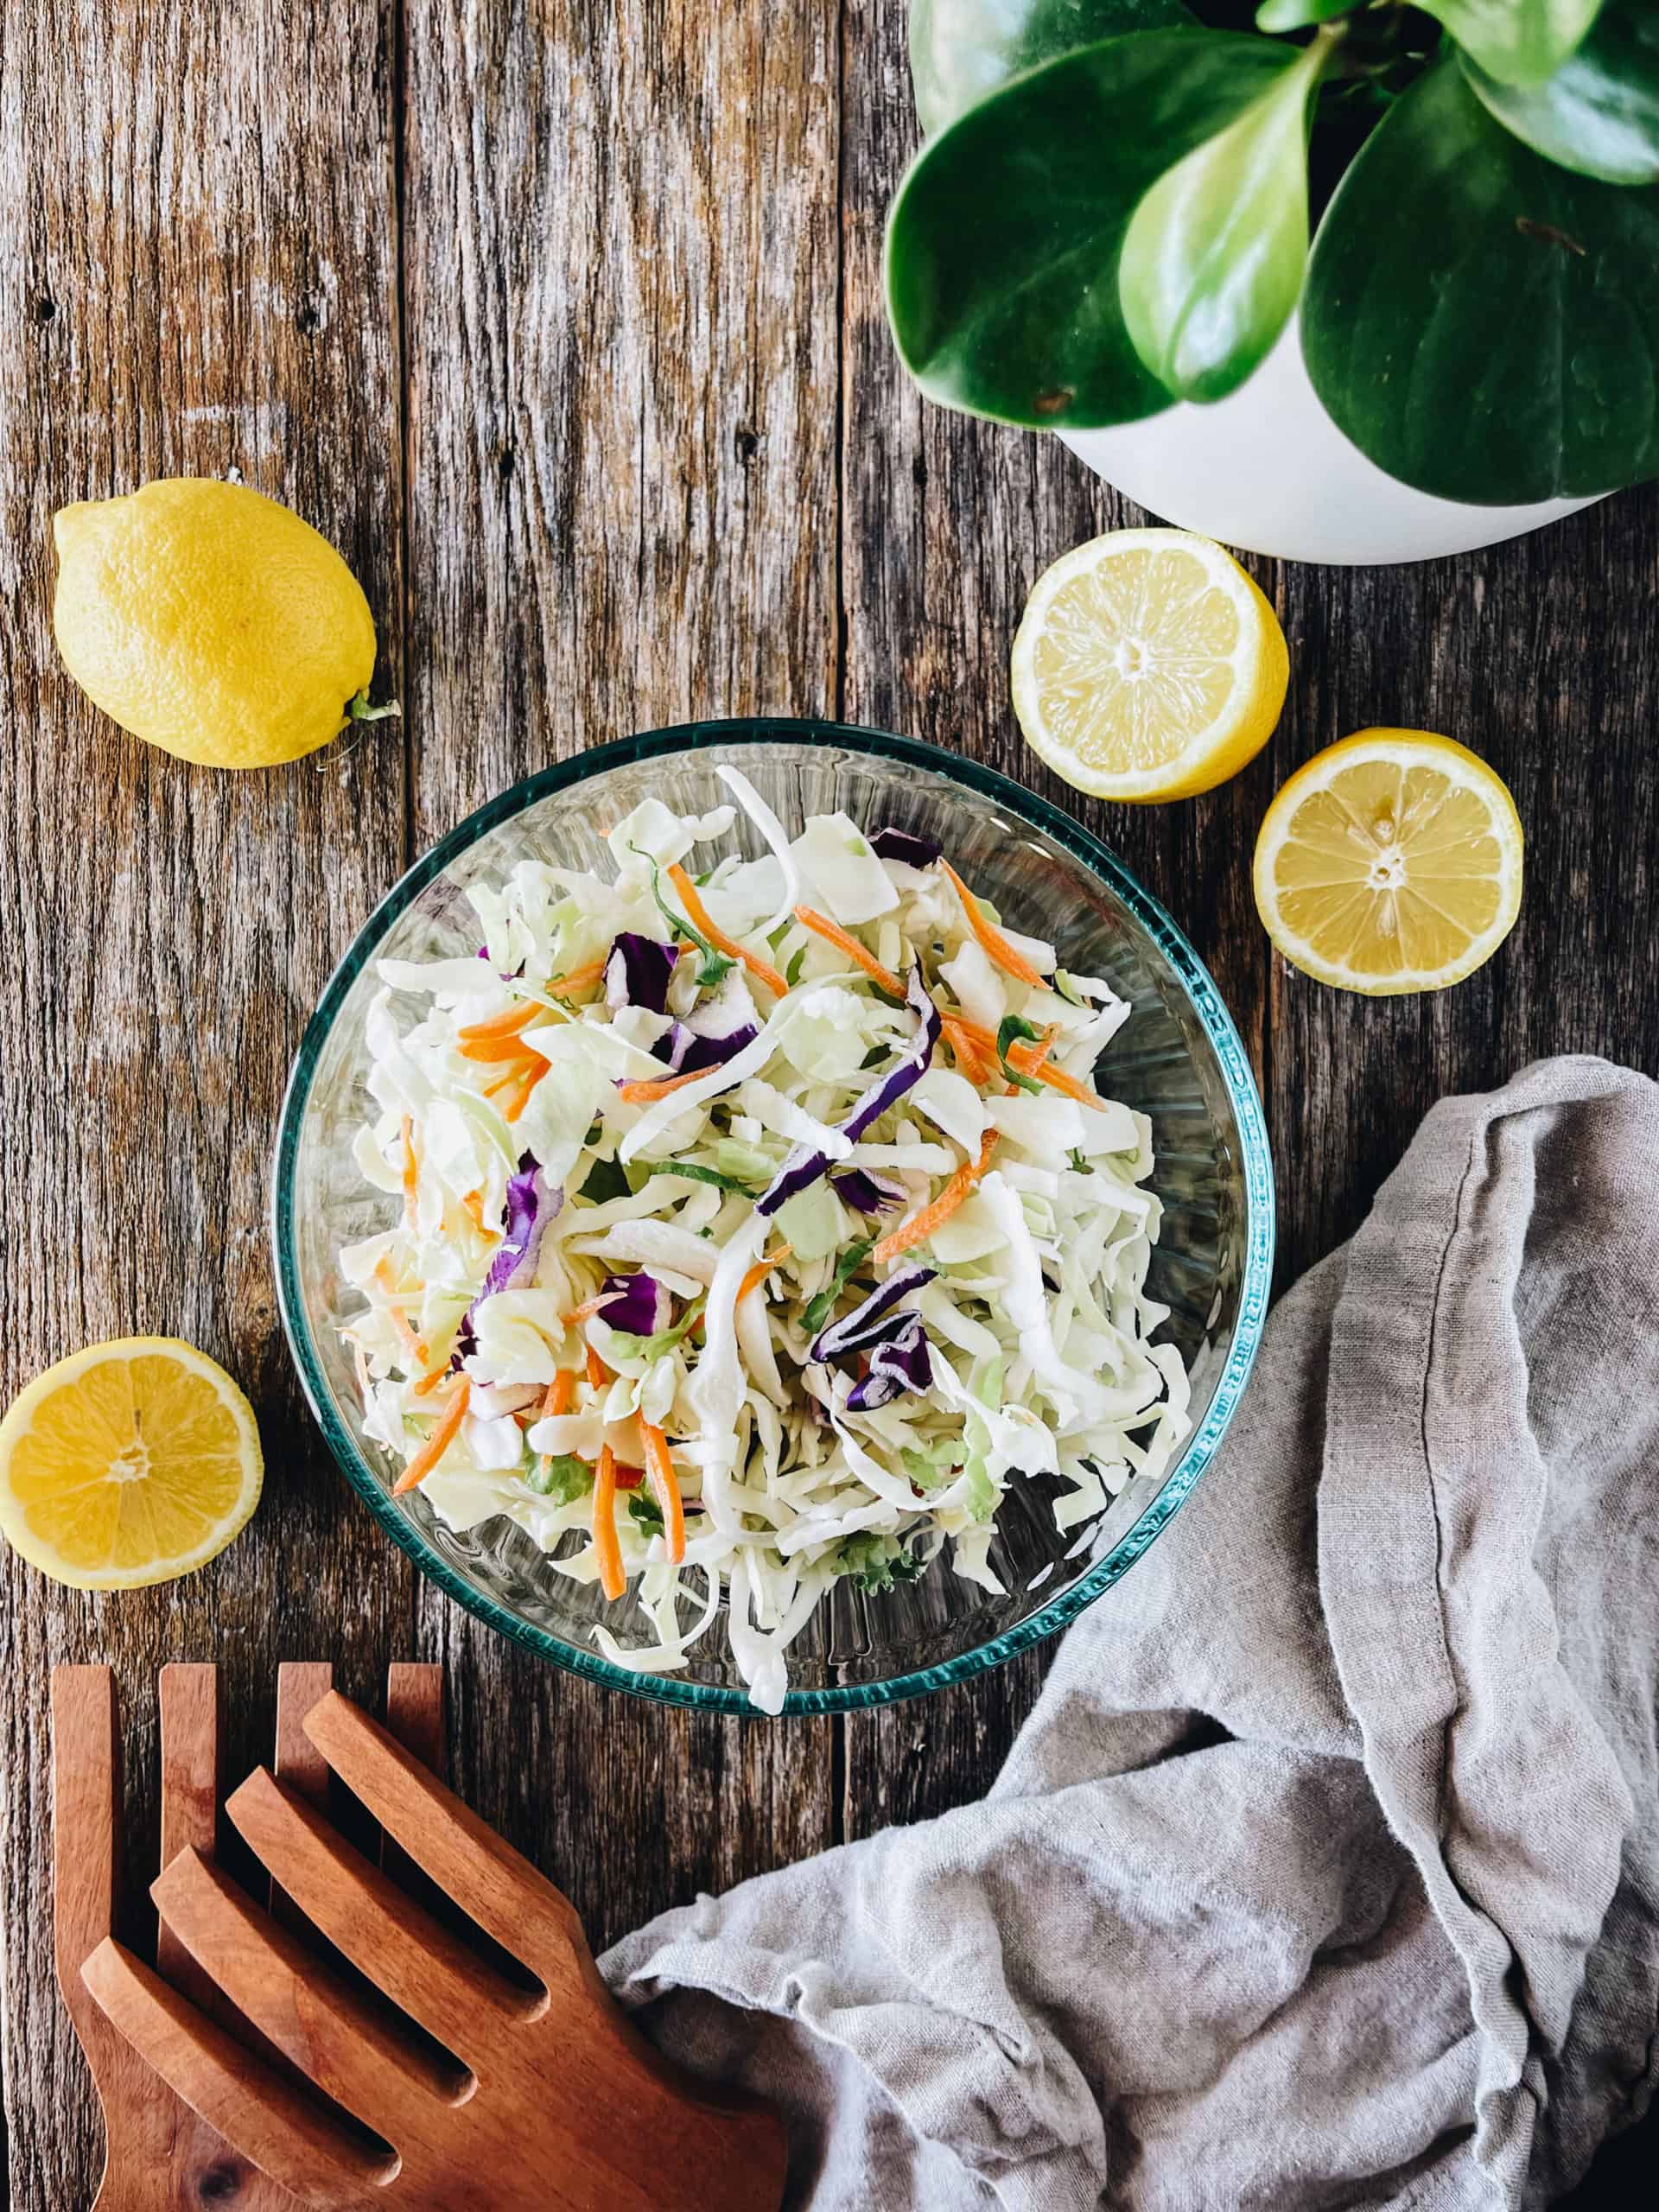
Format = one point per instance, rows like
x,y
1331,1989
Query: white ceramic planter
x,y
1268,470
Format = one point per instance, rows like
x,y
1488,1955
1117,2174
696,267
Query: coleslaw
x,y
757,1228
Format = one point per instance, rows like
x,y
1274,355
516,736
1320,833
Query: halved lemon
x,y
1391,862
1148,666
128,1463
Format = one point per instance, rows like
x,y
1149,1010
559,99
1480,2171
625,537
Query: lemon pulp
x,y
1391,862
128,1463
1148,665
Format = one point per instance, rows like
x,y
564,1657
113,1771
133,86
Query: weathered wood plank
x,y
197,275
621,276
947,524
1542,655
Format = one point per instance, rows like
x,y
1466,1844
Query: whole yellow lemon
x,y
212,621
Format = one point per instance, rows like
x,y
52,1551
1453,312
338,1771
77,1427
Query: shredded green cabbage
x,y
1020,1351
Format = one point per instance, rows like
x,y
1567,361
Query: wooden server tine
x,y
354,2055
525,1915
281,2130
190,1749
415,1962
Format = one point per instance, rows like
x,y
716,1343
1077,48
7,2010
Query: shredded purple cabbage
x,y
905,845
711,1035
638,1305
873,1320
902,1362
864,1193
531,1206
637,972
686,1051
531,1203
804,1166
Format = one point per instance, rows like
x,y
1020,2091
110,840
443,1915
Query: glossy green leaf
x,y
1518,41
962,49
1600,112
1298,15
1483,323
1213,259
1003,242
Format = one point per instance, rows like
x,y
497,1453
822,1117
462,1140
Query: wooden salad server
x,y
160,2156
447,2085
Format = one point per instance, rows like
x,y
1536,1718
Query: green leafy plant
x,y
1123,203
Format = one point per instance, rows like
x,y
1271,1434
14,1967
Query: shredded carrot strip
x,y
1041,1050
501,1024
527,1082
1030,1060
844,941
579,979
436,1445
966,1049
697,915
406,1336
922,1225
428,1383
587,1308
659,1472
473,1202
641,1093
762,1268
606,1550
505,1051
598,1373
995,945
411,1171
557,1401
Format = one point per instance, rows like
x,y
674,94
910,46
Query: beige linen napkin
x,y
1327,1871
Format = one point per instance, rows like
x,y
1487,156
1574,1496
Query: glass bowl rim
x,y
1036,813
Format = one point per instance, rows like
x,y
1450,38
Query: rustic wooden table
x,y
565,324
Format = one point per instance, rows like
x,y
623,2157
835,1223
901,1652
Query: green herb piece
x,y
716,965
1079,1164
876,1562
1013,1027
797,962
743,1161
650,1348
560,1477
644,1513
606,1179
694,1173
818,1310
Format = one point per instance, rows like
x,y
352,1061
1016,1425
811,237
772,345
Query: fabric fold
x,y
1326,1872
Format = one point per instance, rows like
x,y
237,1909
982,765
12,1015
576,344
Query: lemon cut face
x,y
1390,863
1148,666
128,1463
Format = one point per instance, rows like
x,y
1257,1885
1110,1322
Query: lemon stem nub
x,y
359,711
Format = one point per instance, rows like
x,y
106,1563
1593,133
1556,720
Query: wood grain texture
x,y
621,268
197,273
564,322
160,2156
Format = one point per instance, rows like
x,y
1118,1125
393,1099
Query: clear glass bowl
x,y
1178,1059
